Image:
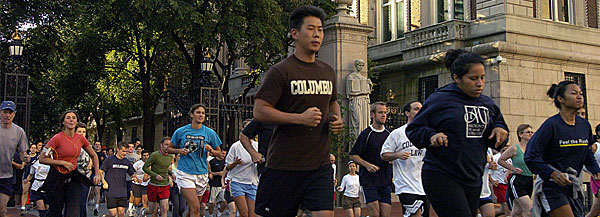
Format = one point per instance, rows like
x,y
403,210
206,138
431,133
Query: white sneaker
x,y
131,212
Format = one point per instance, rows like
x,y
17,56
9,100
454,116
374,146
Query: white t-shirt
x,y
139,172
485,188
41,171
350,185
407,173
597,154
245,173
334,170
500,173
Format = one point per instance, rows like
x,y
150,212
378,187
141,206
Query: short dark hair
x,y
81,125
196,106
557,90
522,128
123,144
164,139
145,151
297,16
459,61
408,106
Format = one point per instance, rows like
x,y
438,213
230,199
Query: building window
x,y
579,79
557,10
415,14
394,19
133,133
427,86
449,10
386,19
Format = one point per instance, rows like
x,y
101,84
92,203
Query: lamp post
x,y
15,81
202,90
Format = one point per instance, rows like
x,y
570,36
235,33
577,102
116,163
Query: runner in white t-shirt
x,y
140,184
486,205
351,186
407,162
498,180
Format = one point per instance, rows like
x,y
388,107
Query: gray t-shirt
x,y
133,157
12,140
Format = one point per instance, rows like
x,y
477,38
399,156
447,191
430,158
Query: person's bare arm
x,y
390,156
172,150
335,124
509,153
247,144
44,159
94,156
265,112
369,166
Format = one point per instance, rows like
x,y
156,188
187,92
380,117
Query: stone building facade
x,y
530,44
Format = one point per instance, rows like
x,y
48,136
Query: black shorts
x,y
553,197
519,186
411,203
114,202
280,192
484,201
139,190
37,195
228,197
6,186
379,193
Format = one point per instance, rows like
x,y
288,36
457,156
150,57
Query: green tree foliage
x,y
111,59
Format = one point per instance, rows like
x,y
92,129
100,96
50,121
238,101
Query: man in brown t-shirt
x,y
299,94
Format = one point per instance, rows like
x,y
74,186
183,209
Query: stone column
x,y
345,41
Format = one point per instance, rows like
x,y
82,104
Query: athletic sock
x,y
97,206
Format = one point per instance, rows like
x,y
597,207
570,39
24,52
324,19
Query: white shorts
x,y
217,194
186,180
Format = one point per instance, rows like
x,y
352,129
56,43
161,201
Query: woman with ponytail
x,y
457,124
558,151
64,179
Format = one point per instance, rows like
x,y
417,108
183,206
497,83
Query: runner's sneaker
x,y
95,212
131,212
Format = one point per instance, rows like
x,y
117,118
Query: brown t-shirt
x,y
293,86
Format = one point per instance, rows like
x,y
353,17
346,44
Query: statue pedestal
x,y
345,40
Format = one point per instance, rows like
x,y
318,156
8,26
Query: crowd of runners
x,y
452,157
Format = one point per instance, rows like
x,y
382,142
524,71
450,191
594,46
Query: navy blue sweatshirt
x,y
561,145
468,122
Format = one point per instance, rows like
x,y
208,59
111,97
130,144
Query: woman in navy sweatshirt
x,y
457,124
562,142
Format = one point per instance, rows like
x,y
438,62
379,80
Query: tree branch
x,y
181,47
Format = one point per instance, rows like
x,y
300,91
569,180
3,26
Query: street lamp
x,y
206,64
15,81
16,47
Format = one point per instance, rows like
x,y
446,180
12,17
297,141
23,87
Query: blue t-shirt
x,y
194,140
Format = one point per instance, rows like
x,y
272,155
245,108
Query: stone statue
x,y
358,88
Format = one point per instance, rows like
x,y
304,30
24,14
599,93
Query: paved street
x,y
14,212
